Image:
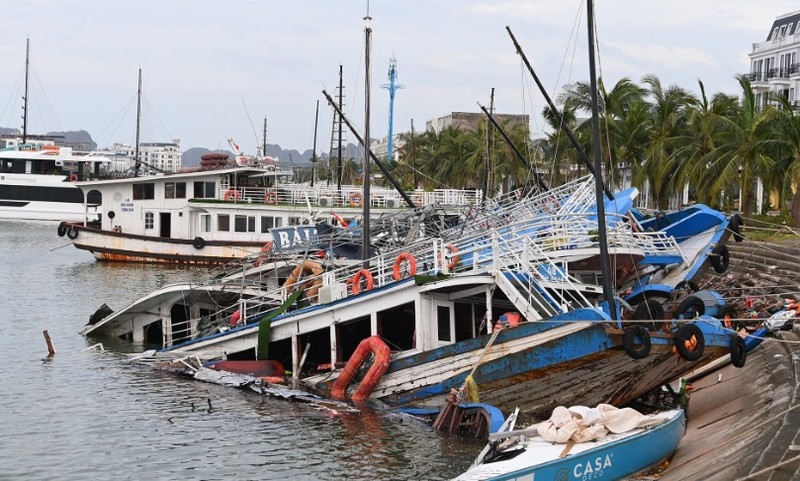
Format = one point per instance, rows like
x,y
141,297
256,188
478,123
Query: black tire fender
x,y
62,229
684,334
720,259
633,334
735,225
198,242
649,310
690,304
738,351
72,233
689,286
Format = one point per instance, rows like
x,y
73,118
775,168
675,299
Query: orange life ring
x,y
398,263
73,178
264,254
418,199
454,260
234,320
366,274
231,194
271,197
311,287
379,366
356,199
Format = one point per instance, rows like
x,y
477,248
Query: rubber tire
x,y
692,286
690,302
198,243
72,233
720,259
684,333
633,350
735,225
738,351
62,229
649,310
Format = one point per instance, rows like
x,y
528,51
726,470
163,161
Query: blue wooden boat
x,y
615,456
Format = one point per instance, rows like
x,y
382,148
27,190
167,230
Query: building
x,y
471,121
773,62
380,147
155,156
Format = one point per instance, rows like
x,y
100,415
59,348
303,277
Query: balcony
x,y
777,44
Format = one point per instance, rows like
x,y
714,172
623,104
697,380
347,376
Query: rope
x,y
771,468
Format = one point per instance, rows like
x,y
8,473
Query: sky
x,y
212,70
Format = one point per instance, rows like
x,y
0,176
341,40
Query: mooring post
x,y
50,349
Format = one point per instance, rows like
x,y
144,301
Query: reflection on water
x,y
92,415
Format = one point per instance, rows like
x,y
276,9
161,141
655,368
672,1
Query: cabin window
x,y
175,190
295,221
223,222
244,223
144,191
148,220
267,223
205,222
205,190
443,323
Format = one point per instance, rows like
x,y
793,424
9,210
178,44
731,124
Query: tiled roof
x,y
780,22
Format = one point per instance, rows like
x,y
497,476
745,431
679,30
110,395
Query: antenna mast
x,y
25,98
392,87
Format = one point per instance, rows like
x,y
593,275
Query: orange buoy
x,y
372,344
356,199
455,258
398,263
311,287
271,197
356,281
231,195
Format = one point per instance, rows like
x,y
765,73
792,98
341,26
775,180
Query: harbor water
x,y
86,413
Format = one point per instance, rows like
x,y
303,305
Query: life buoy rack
x,y
311,287
455,258
356,199
366,275
397,270
372,344
263,255
738,351
635,333
73,178
271,197
689,342
231,194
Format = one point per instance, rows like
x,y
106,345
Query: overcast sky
x,y
216,69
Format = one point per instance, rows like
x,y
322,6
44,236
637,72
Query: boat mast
x,y
314,152
25,98
487,181
138,121
365,222
605,268
264,140
339,137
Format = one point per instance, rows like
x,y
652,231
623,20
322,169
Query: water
x,y
94,415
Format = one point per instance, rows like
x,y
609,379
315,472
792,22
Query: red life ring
x,y
311,287
231,194
366,274
356,199
271,198
398,263
454,260
418,199
379,366
73,178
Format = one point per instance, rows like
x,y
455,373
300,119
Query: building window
x,y
223,222
205,222
175,190
205,190
243,223
148,220
144,191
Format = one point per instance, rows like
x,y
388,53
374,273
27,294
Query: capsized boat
x,y
580,443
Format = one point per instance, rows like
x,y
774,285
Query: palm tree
x,y
784,176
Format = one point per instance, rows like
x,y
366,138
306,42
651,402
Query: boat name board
x,y
286,237
126,206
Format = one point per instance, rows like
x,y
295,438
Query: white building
x,y
162,156
773,62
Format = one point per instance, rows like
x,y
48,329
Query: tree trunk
x,y
796,207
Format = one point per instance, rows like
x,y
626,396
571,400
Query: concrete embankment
x,y
745,423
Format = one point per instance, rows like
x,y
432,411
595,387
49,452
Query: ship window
x,y
443,323
267,223
205,222
243,223
223,222
144,191
205,190
175,190
295,221
148,220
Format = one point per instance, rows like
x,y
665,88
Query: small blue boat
x,y
526,455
